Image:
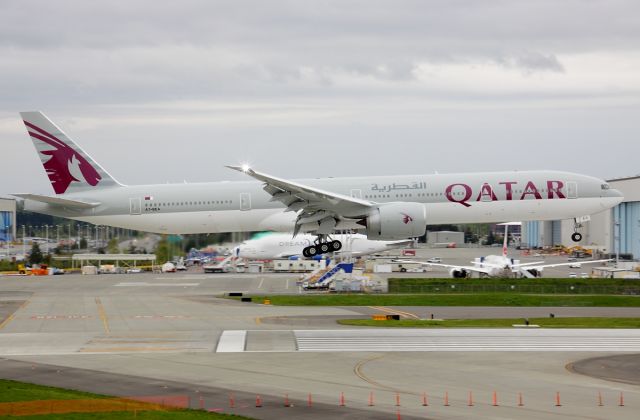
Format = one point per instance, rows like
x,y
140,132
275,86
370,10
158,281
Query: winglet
x,y
244,168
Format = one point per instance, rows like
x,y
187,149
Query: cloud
x,y
335,80
532,62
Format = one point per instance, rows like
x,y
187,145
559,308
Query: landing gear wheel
x,y
312,251
336,245
324,248
576,237
305,252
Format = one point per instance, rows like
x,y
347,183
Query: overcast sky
x,y
173,91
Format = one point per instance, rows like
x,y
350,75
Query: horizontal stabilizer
x,y
57,201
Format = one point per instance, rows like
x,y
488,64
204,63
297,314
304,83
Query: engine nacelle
x,y
396,221
459,273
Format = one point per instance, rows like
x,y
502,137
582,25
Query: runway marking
x,y
402,339
395,311
103,316
358,371
260,284
10,318
65,317
145,284
232,341
133,349
6,321
287,284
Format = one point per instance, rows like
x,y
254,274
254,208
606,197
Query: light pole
x,y
617,239
24,243
47,237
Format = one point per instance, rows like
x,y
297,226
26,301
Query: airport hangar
x,y
7,220
613,230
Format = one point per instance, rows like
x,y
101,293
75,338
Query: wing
x,y
538,267
314,205
456,267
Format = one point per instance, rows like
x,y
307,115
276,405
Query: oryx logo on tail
x,y
69,168
64,165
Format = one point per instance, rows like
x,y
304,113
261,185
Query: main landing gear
x,y
576,236
322,246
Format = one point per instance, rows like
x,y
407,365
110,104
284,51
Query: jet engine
x,y
458,273
396,221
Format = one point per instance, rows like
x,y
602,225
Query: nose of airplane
x,y
615,193
613,198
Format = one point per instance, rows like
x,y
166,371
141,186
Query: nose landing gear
x,y
322,246
576,236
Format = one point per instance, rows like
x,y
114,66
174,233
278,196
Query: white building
x,y
613,230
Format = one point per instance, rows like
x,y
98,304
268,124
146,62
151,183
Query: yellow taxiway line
x,y
395,311
103,316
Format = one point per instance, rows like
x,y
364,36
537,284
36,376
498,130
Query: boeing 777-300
x,y
383,207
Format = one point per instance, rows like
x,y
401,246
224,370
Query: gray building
x,y
7,220
611,231
445,237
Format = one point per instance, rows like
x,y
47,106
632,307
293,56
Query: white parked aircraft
x,y
501,265
281,245
385,207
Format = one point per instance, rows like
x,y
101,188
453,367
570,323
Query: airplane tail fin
x,y
69,168
506,240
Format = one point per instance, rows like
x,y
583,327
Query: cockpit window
x,y
605,186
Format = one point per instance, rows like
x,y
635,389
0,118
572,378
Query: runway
x,y
164,333
431,340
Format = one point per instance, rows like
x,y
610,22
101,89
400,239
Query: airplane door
x,y
356,193
245,201
572,189
135,205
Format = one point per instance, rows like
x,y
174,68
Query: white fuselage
x,y
244,206
283,245
498,265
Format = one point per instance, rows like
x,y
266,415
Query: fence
x,y
398,287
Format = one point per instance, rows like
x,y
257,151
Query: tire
x,y
336,245
305,252
312,251
576,237
403,270
324,248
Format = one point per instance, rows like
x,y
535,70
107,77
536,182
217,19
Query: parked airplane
x,y
385,207
282,245
501,265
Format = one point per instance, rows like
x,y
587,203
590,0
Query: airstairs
x,y
323,278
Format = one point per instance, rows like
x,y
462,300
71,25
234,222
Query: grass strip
x,y
480,299
14,391
139,415
499,323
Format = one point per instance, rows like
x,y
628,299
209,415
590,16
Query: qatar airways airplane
x,y
384,207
